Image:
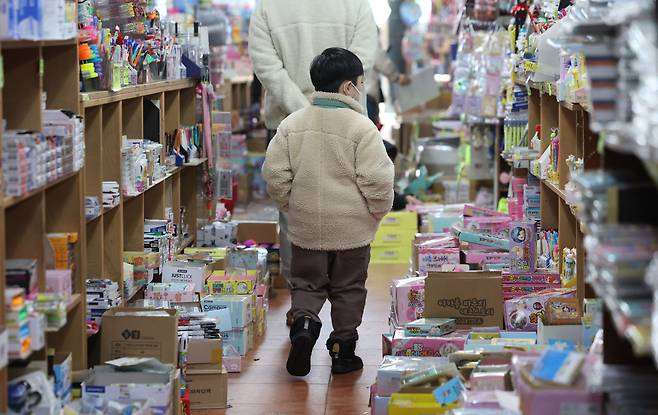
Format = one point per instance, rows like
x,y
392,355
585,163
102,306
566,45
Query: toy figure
x,y
520,13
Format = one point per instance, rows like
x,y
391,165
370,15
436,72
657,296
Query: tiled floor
x,y
265,388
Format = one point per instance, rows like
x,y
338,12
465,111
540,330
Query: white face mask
x,y
363,98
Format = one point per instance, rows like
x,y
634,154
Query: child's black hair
x,y
333,67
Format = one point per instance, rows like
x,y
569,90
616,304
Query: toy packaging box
x,y
428,346
394,368
218,283
430,327
408,299
523,241
540,277
511,291
523,313
173,292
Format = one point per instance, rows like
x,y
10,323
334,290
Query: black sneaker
x,y
304,332
289,318
343,359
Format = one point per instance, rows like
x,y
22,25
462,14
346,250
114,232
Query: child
x,y
327,167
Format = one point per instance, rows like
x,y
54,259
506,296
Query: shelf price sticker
x,y
449,392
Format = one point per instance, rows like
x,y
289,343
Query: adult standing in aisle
x,y
284,37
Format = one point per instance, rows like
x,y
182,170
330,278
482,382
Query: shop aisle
x,y
265,388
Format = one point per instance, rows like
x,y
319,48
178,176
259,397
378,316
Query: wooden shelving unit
x,y
108,117
576,139
32,70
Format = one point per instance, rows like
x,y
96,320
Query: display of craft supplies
x,y
111,194
140,165
102,294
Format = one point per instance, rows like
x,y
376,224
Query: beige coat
x,y
285,36
328,168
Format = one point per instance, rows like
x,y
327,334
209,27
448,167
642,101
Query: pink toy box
x,y
551,401
428,346
530,278
59,282
408,299
472,210
490,225
523,313
479,257
519,290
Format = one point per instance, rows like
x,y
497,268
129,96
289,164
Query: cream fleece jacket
x,y
328,168
285,36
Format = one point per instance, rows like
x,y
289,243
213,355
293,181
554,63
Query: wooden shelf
x,y
76,299
135,294
21,44
186,244
558,192
92,99
11,201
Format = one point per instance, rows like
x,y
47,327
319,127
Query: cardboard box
x,y
105,382
473,299
208,388
261,232
204,354
188,272
136,332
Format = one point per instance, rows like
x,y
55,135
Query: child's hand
x,y
404,80
412,201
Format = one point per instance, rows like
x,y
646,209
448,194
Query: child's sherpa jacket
x,y
328,168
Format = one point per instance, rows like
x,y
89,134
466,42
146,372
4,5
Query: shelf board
x,y
196,162
90,220
109,209
11,201
75,301
22,44
243,79
155,183
92,99
555,189
572,106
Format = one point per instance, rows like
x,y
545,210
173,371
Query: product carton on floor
x,y
204,354
473,299
107,383
186,272
208,388
138,332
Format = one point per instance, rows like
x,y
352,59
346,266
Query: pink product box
x,y
59,282
491,225
433,259
480,399
428,346
408,299
479,257
174,292
523,241
472,210
519,290
438,241
574,400
530,278
523,313
261,290
233,364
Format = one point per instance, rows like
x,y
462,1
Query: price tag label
x,y
449,392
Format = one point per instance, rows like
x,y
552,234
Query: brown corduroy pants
x,y
340,277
